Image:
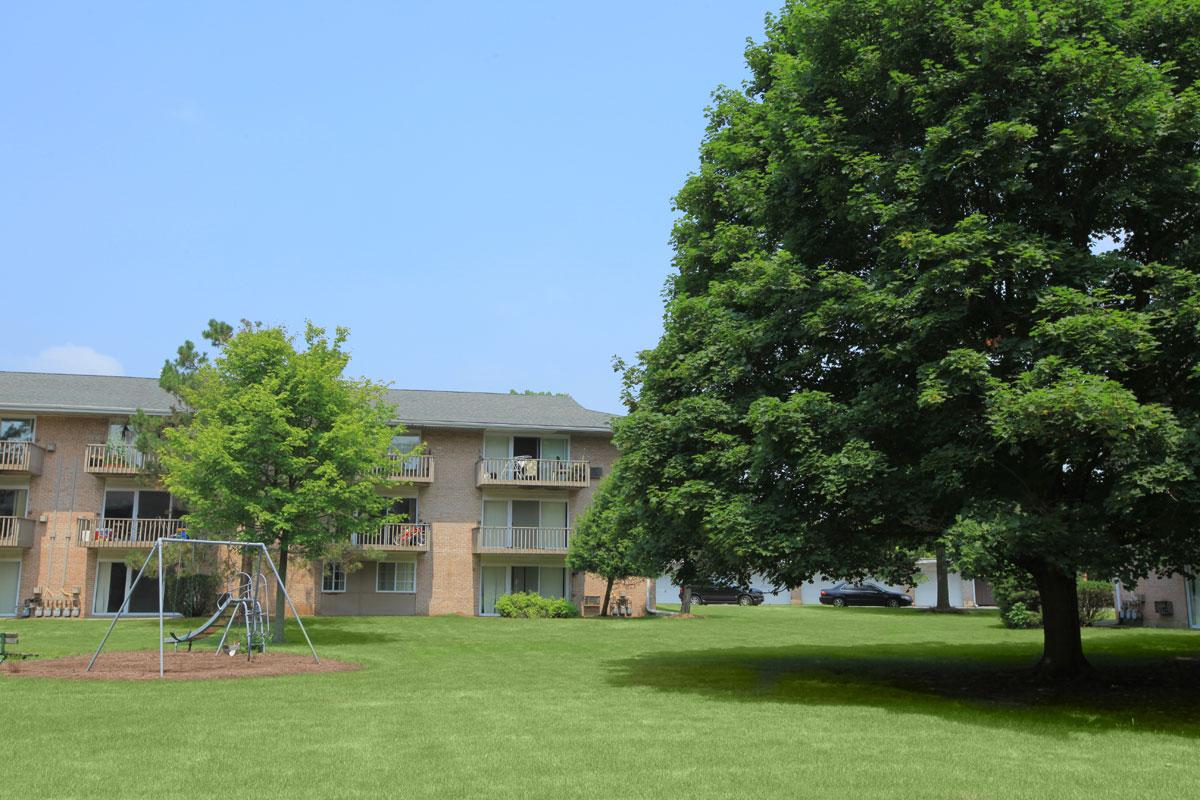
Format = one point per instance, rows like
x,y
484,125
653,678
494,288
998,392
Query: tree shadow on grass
x,y
991,685
333,631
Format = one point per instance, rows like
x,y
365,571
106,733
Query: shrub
x,y
1095,597
1013,590
1018,615
529,604
192,595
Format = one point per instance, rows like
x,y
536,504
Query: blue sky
x,y
481,192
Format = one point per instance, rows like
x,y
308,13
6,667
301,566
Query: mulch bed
x,y
197,665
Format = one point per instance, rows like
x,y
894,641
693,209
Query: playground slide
x,y
203,629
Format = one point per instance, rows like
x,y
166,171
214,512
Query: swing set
x,y
246,597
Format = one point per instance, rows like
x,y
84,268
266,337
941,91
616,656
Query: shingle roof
x,y
488,410
81,394
46,392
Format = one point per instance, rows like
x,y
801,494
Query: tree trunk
x,y
943,579
607,595
1062,645
685,600
280,603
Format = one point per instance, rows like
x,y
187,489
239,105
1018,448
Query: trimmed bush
x,y
529,604
1095,597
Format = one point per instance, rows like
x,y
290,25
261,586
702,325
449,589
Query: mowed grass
x,y
767,702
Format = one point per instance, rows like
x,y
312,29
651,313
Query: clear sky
x,y
480,191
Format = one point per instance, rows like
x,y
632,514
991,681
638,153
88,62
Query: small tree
x,y
604,543
274,444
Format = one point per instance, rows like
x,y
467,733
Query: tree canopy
x,y
893,316
274,444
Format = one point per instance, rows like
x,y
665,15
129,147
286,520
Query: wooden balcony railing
x,y
493,539
21,457
16,532
542,472
398,536
125,532
418,469
114,459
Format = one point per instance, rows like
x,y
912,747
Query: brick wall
x,y
1157,588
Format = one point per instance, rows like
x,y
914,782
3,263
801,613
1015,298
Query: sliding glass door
x,y
114,580
493,583
10,587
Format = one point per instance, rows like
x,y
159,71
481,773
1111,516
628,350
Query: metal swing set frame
x,y
157,549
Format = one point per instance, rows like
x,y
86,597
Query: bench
x,y
591,605
7,639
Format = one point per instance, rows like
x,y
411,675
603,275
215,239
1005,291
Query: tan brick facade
x,y
1163,602
448,575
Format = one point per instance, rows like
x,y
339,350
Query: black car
x,y
863,594
724,593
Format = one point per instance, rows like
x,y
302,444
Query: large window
x,y
525,513
396,576
333,578
141,504
16,429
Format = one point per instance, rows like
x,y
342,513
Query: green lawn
x,y
769,703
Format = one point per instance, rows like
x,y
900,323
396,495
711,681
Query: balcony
x,y
21,457
16,532
410,536
114,459
553,541
533,472
108,532
414,469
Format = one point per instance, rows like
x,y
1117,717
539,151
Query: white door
x,y
493,583
10,587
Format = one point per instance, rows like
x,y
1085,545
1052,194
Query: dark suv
x,y
724,593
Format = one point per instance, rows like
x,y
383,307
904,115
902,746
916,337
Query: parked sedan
x,y
724,593
865,594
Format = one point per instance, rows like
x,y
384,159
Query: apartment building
x,y
490,500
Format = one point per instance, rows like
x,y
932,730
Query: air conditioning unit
x,y
597,472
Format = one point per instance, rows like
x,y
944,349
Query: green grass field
x,y
770,702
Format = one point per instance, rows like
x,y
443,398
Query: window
x,y
525,579
333,578
550,448
405,443
13,501
405,507
16,430
396,576
119,432
141,504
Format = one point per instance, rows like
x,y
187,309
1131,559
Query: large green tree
x,y
274,444
892,321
